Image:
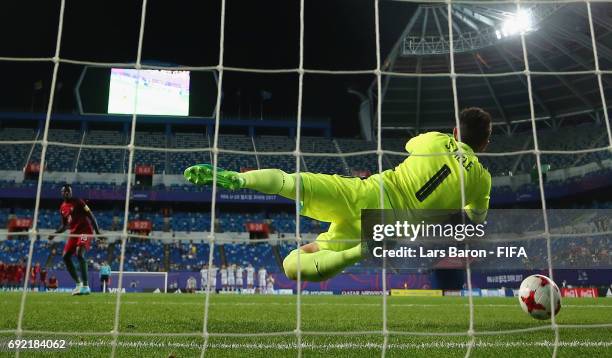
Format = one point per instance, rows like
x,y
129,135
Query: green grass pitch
x,y
170,313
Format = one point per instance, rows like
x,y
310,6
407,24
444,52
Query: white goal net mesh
x,y
57,60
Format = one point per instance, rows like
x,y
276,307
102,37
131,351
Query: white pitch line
x,y
342,345
259,304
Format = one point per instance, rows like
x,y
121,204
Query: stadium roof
x,y
486,41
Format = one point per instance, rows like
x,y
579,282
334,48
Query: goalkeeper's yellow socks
x,y
316,266
267,181
321,265
270,181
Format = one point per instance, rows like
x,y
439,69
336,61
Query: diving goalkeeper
x,y
421,181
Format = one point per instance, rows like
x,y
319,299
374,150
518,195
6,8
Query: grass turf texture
x,y
159,313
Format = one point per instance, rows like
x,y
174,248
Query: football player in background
x,y
78,218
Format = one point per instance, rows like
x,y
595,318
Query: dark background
x,y
339,34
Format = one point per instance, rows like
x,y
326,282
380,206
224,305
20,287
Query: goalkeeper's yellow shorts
x,y
339,200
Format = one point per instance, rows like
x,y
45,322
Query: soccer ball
x,y
535,296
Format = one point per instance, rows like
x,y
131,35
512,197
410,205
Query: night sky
x,y
339,34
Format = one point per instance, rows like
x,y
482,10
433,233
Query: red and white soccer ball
x,y
535,296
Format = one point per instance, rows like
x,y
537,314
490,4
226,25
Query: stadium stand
x,y
159,160
103,160
181,160
276,144
327,165
66,159
153,255
359,162
237,161
179,221
15,156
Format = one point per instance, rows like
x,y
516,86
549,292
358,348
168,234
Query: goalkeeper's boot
x,y
85,290
77,290
202,174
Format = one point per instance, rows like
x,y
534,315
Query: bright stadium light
x,y
519,23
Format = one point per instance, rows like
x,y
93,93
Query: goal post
x,y
140,281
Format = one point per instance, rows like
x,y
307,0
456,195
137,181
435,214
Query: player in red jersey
x,y
34,271
20,271
43,279
77,217
2,274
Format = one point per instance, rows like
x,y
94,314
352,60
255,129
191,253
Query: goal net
x,y
126,281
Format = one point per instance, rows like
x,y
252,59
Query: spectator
x,y
3,268
34,272
43,280
53,283
19,273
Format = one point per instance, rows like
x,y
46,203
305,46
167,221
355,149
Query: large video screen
x,y
159,92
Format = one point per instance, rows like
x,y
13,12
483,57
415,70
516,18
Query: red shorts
x,y
77,240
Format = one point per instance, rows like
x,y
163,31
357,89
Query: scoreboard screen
x,y
160,92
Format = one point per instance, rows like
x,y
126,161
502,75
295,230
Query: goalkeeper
x,y
422,181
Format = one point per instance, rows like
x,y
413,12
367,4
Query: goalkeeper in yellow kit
x,y
422,181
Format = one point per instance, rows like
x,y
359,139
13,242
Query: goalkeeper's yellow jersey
x,y
429,178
